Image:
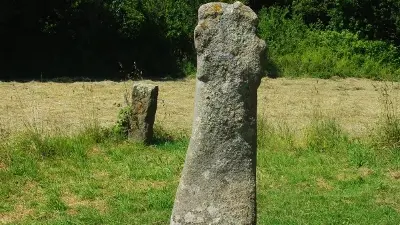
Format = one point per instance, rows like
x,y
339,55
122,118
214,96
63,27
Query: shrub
x,y
123,124
299,50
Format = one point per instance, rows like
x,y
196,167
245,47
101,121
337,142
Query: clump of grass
x,y
43,146
97,134
38,145
123,124
162,136
361,154
324,135
278,136
388,132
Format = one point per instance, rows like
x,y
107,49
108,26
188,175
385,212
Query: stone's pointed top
x,y
144,88
237,4
213,9
144,85
226,40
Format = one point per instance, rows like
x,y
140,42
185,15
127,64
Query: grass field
x,y
355,103
327,153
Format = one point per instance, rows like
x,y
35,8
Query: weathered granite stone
x,y
144,107
218,183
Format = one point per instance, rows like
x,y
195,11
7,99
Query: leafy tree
x,y
152,38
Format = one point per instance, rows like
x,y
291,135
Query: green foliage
x,y
298,50
361,154
282,33
123,124
189,68
129,16
179,19
150,38
54,202
94,133
371,19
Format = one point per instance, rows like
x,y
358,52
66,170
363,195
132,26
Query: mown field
x,y
67,107
328,153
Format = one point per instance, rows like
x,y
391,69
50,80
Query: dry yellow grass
x,y
355,103
31,194
73,202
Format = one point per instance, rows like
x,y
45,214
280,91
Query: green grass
x,y
326,177
84,180
329,179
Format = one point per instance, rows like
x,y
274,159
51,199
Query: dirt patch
x,y
101,175
323,184
3,166
142,185
19,213
30,193
365,172
95,151
74,202
392,202
394,174
354,103
146,184
346,175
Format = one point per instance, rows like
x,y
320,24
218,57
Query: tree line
x,y
119,39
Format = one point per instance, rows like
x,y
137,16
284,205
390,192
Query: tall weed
x,y
388,129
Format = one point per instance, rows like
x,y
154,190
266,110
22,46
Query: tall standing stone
x,y
218,183
144,107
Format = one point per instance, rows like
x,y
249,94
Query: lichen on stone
x,y
217,7
211,10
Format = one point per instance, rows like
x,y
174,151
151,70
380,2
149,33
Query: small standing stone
x,y
144,107
218,183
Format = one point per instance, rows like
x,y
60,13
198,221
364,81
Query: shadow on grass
x,y
163,137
